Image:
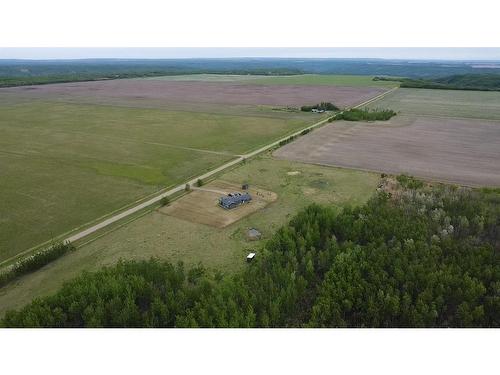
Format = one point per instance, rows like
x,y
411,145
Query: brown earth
x,y
201,205
167,92
463,151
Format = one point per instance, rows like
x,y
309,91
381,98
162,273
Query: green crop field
x,y
303,79
448,103
65,164
166,237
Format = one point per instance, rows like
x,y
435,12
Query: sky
x,y
420,53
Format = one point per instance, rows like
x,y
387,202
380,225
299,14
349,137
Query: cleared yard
x,y
201,205
167,237
464,151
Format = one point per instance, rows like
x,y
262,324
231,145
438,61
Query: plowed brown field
x,y
463,151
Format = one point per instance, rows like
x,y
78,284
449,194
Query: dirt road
x,y
113,219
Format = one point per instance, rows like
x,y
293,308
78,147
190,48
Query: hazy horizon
x,y
392,53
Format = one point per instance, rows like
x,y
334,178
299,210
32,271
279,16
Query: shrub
x,y
409,182
356,114
164,201
324,106
36,261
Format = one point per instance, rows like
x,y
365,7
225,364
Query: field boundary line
x,y
413,114
157,196
429,179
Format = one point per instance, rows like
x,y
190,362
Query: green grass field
x,y
303,79
166,237
448,103
65,164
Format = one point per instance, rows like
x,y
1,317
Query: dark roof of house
x,y
234,199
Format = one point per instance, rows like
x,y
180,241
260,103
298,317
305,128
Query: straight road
x,y
192,182
179,188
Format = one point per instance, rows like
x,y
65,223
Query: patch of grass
x,y
169,238
145,174
448,103
327,79
299,79
64,164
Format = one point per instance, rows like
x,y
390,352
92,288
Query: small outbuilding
x,y
250,257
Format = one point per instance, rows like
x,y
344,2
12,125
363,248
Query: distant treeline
x,y
28,72
323,106
356,114
478,82
35,262
419,256
102,76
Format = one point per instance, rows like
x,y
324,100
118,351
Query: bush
x,y
323,106
164,201
409,182
199,183
35,262
356,114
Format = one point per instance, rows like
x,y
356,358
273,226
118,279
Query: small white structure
x,y
250,257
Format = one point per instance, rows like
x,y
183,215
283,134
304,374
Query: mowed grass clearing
x,y
301,79
443,103
64,164
158,235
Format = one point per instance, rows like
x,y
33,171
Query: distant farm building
x,y
233,200
250,257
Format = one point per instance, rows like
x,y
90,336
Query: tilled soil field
x,y
463,151
164,91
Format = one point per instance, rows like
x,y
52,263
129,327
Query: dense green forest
x,y
356,114
478,82
413,256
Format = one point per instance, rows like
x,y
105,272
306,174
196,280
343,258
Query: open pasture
x,y
300,79
72,153
443,103
165,92
463,151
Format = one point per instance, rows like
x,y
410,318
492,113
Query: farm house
x,y
233,200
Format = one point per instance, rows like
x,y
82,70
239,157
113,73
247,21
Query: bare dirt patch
x,y
201,205
165,92
464,151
